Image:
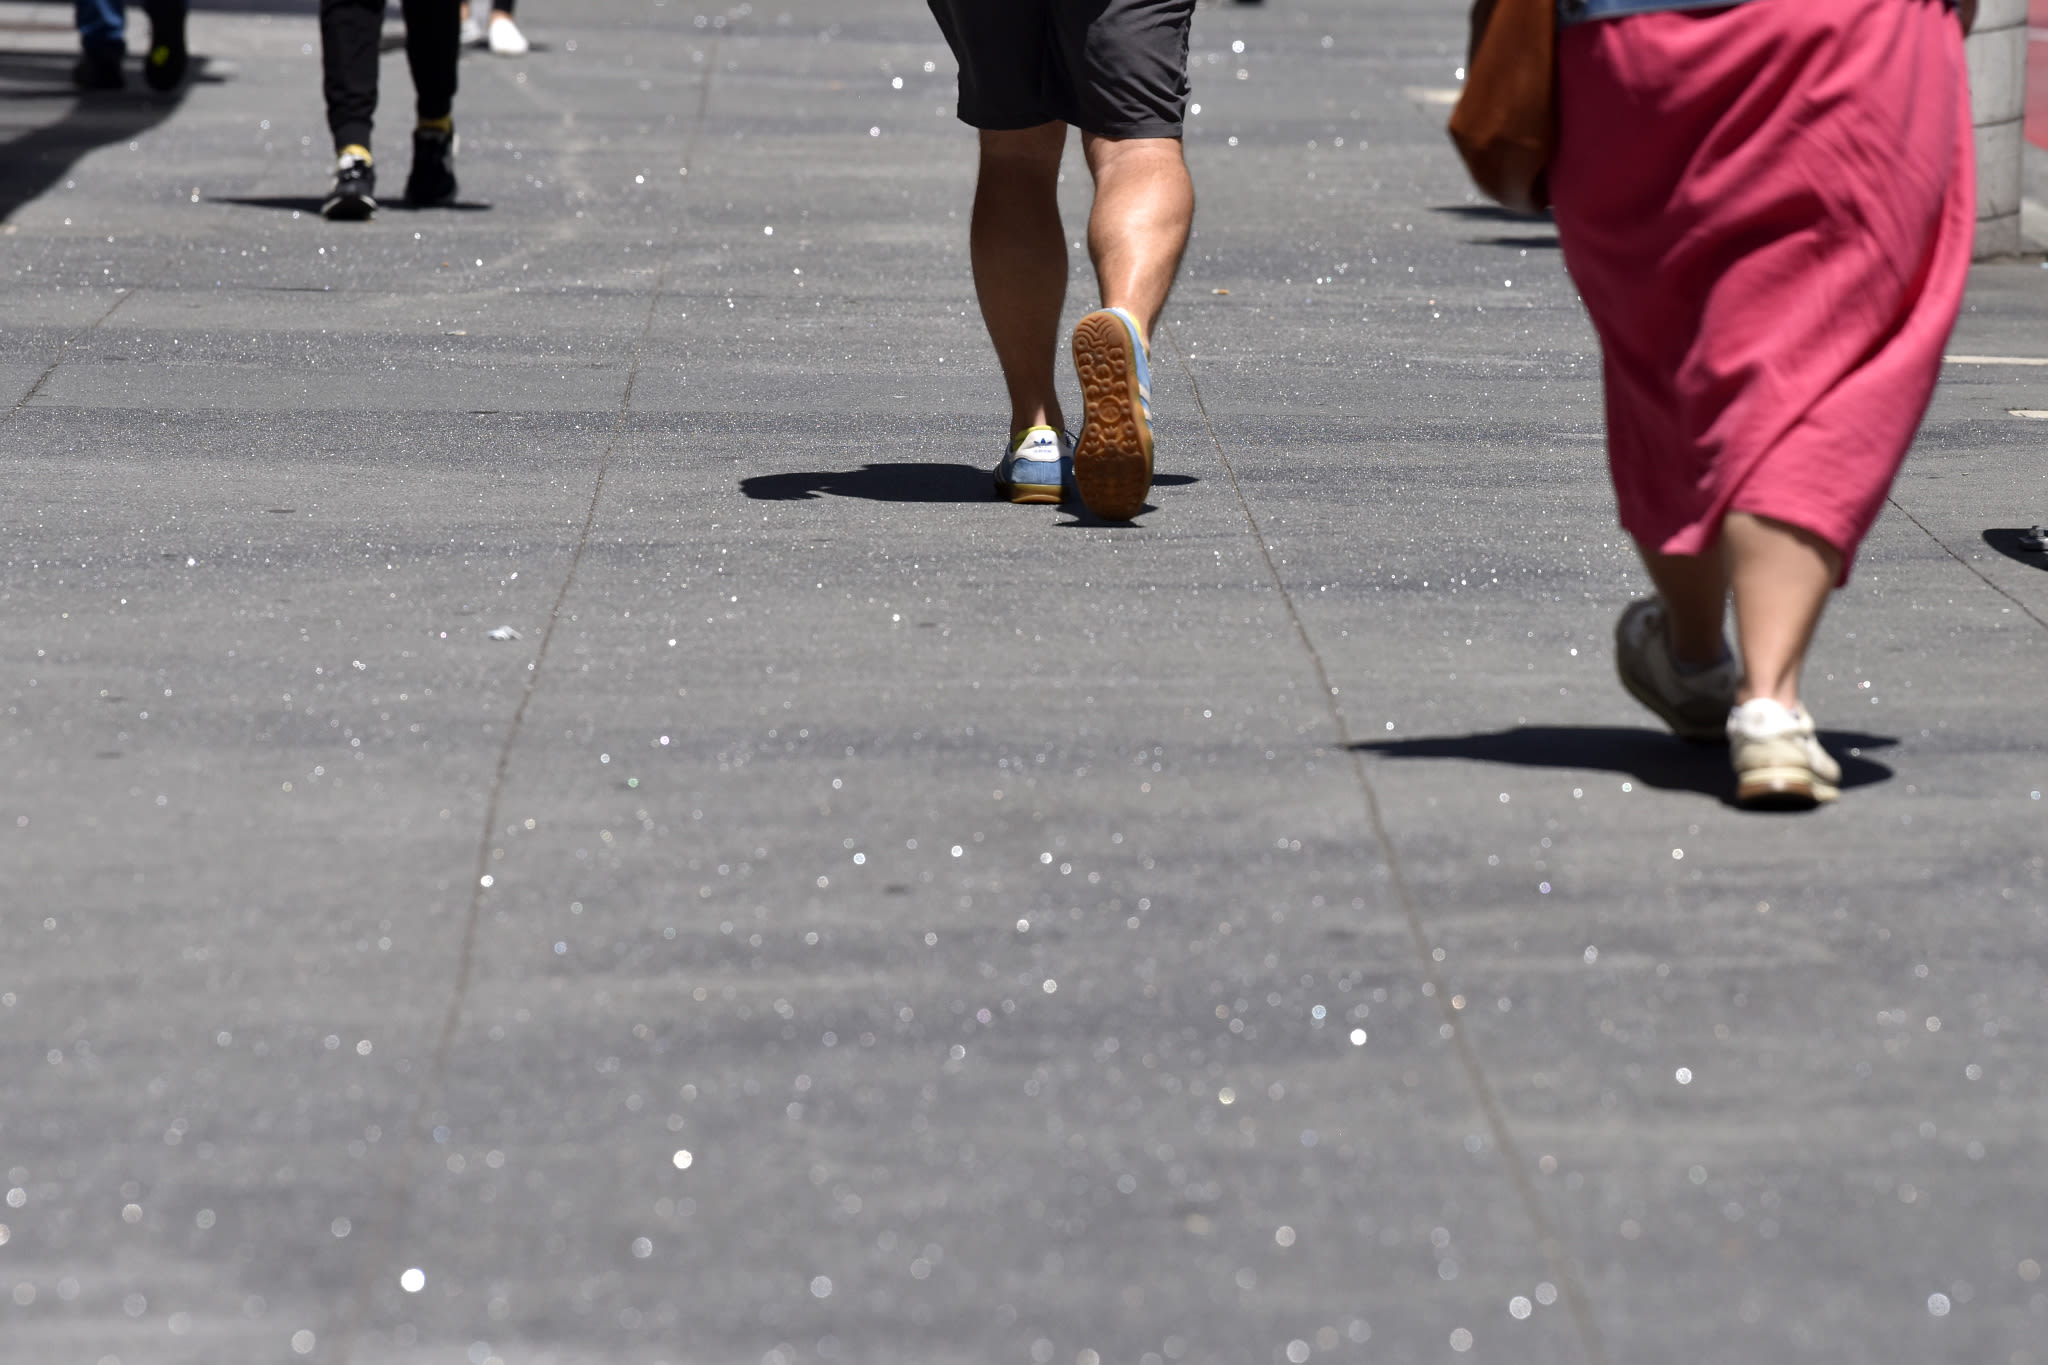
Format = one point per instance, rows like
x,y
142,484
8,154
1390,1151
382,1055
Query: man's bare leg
x,y
1137,230
1019,250
1144,210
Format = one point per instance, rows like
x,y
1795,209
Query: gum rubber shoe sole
x,y
1113,461
1029,492
1787,788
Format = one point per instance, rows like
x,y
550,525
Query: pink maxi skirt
x,y
1768,211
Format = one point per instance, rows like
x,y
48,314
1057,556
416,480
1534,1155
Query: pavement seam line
x,y
384,1239
65,350
1982,577
1548,1242
458,1000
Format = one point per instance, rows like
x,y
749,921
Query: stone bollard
x,y
1997,51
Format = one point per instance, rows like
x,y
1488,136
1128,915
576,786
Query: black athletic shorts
x,y
1115,68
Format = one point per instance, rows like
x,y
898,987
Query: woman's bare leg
x,y
1695,593
1781,576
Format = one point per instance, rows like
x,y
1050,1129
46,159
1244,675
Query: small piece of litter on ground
x,y
1219,291
2037,414
504,633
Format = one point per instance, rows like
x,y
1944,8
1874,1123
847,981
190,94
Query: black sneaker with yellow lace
x,y
354,196
164,67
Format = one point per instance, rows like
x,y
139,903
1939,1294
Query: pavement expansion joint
x,y
377,1247
1562,1264
2021,603
64,350
549,814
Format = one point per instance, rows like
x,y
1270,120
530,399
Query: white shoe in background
x,y
506,39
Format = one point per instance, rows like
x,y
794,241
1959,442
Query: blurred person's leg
x,y
349,34
101,24
433,48
164,67
102,42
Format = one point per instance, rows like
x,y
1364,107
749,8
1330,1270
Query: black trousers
x,y
349,33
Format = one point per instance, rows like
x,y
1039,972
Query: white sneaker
x,y
1779,764
506,39
1695,705
472,32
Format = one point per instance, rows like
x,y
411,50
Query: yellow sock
x,y
445,124
355,149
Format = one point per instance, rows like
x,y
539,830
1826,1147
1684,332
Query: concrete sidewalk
x,y
849,919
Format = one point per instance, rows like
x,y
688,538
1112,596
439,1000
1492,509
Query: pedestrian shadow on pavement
x,y
2006,540
43,141
310,203
904,482
1651,757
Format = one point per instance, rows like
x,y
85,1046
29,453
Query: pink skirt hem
x,y
1768,211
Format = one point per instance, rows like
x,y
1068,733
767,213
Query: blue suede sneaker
x,y
1038,466
1113,457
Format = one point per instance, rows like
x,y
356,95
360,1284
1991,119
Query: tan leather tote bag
x,y
1505,123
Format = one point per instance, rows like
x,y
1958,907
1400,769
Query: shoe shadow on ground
x,y
1651,757
1536,238
1083,517
47,124
904,482
2007,541
310,204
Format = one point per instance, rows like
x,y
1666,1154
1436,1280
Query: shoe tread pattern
x,y
1113,460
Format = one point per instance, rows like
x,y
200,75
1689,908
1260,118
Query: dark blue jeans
x,y
102,26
